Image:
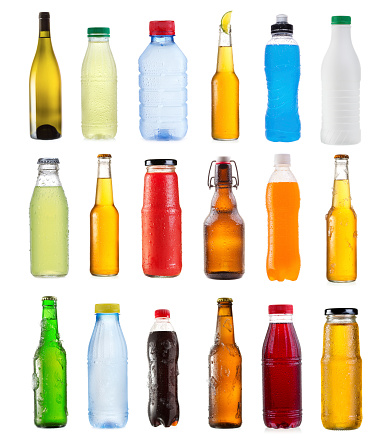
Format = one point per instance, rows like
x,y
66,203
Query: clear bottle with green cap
x,y
49,228
107,366
49,379
340,75
99,87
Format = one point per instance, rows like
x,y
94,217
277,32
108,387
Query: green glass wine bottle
x,y
45,87
49,378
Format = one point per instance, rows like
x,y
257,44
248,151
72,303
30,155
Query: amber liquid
x,y
225,97
225,375
341,236
283,257
104,236
341,377
224,256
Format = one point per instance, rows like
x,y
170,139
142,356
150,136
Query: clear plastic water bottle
x,y
107,363
163,85
282,68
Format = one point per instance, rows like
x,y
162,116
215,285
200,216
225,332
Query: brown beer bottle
x,y
225,369
224,229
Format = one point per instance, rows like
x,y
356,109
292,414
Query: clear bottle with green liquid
x,y
49,223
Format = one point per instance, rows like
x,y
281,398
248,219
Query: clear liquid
x,y
49,232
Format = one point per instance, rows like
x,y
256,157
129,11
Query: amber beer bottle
x,y
225,373
224,229
104,224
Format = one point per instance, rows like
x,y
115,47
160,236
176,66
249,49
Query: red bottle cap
x,y
162,314
165,27
280,309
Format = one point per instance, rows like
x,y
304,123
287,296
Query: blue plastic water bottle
x,y
282,68
108,362
163,85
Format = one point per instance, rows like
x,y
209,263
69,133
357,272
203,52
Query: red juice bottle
x,y
281,371
161,220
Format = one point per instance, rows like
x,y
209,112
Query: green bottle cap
x,y
98,32
341,20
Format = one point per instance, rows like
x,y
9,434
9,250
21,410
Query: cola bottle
x,y
163,353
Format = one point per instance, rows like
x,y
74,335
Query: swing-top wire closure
x,y
211,179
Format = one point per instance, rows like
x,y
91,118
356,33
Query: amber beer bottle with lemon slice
x,y
225,88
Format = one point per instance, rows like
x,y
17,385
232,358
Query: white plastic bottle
x,y
340,74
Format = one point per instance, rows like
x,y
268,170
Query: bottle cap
x,y
107,308
282,25
341,311
164,27
227,300
281,309
49,300
98,32
341,20
341,156
162,313
151,162
282,159
44,15
48,161
223,159
104,156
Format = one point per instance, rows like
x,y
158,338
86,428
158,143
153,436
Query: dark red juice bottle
x,y
281,371
161,220
163,354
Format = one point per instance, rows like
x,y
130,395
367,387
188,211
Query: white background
x,y
191,297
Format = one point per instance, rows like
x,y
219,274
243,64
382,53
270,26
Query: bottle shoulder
x,y
282,40
166,57
282,175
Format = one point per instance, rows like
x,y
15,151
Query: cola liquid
x,y
163,353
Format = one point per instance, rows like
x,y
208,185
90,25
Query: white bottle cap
x,y
223,159
282,159
282,18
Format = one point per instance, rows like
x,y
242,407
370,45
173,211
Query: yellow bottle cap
x,y
107,308
229,300
104,156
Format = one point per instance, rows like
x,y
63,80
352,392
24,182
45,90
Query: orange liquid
x,y
283,257
225,98
104,232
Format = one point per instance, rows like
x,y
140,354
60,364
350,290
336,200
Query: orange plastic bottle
x,y
283,204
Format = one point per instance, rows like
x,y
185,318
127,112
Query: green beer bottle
x,y
49,378
49,231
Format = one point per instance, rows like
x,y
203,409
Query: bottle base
x,y
51,425
337,281
159,276
279,136
225,140
46,132
281,423
103,275
224,275
224,425
100,423
49,275
340,137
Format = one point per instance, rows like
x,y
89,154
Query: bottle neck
x,y
225,57
341,34
104,193
44,28
107,318
281,318
98,40
162,39
48,176
225,324
341,192
49,327
341,319
160,169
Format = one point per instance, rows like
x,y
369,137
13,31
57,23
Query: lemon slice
x,y
225,22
